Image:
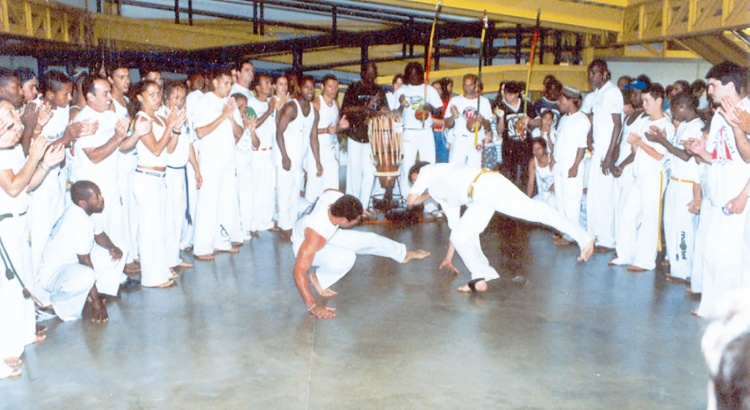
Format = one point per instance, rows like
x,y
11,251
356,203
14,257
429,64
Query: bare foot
x,y
13,373
636,269
40,338
418,254
98,310
13,361
205,258
587,251
326,293
480,286
254,234
40,330
189,249
238,244
166,284
132,268
185,265
230,250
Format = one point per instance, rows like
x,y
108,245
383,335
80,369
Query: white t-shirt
x,y
688,170
415,94
728,173
266,133
14,160
644,164
316,219
103,174
607,101
238,89
72,235
571,135
181,154
467,109
448,184
219,144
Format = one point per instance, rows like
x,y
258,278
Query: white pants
x,y
263,200
108,273
69,287
626,219
704,221
245,190
46,206
568,192
288,186
416,142
176,219
727,243
338,255
217,215
151,199
112,221
188,229
359,170
17,319
495,193
330,162
679,228
601,207
127,165
463,151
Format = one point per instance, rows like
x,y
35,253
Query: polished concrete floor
x,y
234,334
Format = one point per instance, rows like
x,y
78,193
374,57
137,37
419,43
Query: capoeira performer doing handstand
x,y
319,243
484,192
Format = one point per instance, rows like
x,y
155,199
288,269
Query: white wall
x,y
663,72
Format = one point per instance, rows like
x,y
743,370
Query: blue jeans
x,y
441,147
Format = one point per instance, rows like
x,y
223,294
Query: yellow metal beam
x,y
657,20
157,34
558,14
41,20
716,48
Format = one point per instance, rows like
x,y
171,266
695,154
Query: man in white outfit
x,y
727,188
97,158
319,243
263,170
245,74
570,148
419,101
218,126
484,193
644,199
118,76
67,271
328,141
606,125
463,118
297,127
195,82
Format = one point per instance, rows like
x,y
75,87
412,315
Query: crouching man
x,y
67,271
319,243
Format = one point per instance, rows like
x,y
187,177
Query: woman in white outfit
x,y
149,184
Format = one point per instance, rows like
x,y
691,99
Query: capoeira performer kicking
x,y
67,271
484,192
319,243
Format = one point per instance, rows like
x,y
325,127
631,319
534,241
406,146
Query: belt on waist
x,y
9,215
262,149
151,173
171,167
474,182
687,181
